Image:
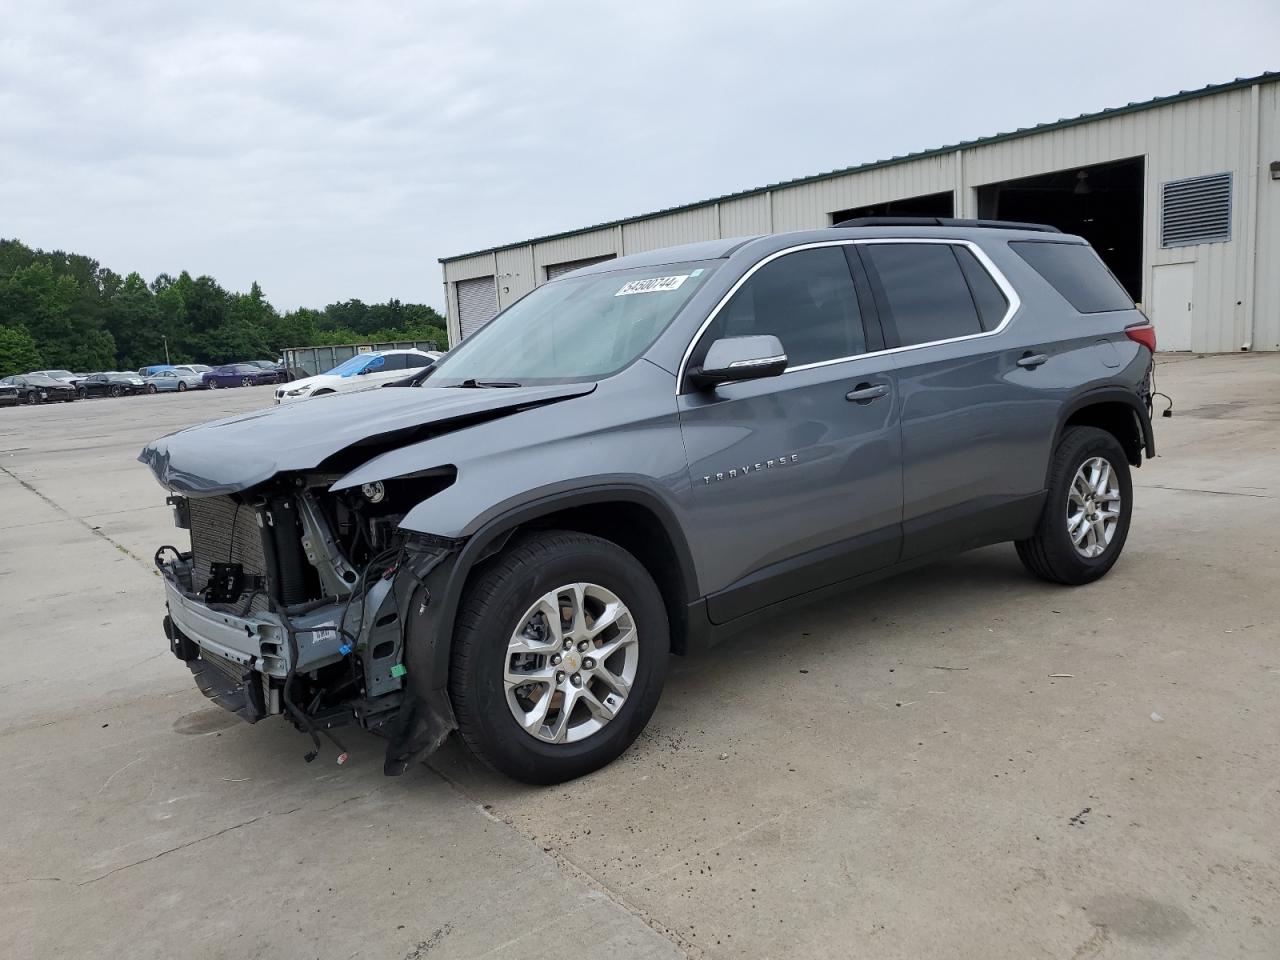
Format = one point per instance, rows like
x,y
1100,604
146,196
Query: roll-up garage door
x,y
560,269
477,304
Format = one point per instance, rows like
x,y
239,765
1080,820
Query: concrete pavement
x,y
961,762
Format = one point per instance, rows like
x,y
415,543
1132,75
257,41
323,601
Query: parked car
x,y
362,370
643,457
9,396
66,376
237,375
180,379
112,383
38,388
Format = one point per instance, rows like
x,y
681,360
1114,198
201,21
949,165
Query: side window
x,y
987,296
416,361
1076,272
922,289
805,299
392,361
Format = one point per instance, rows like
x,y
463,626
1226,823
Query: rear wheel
x,y
1085,520
558,658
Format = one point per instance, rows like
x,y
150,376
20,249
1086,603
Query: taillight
x,y
1144,334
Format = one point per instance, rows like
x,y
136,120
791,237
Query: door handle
x,y
1032,360
866,392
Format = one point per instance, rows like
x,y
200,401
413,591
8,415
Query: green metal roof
x,y
1270,76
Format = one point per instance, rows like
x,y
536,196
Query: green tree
x,y
18,352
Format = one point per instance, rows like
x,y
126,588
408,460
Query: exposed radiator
x,y
224,531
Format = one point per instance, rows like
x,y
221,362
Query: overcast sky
x,y
336,150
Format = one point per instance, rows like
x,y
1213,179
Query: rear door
x,y
975,414
796,484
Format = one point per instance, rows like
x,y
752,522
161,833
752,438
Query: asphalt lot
x,y
962,762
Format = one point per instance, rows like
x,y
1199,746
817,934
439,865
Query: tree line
x,y
66,311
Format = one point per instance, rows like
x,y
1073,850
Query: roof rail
x,y
945,222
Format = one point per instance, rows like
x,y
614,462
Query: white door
x,y
1171,301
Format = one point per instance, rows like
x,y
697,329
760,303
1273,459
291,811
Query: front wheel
x,y
1085,520
246,381
213,384
151,388
116,391
181,386
32,398
559,657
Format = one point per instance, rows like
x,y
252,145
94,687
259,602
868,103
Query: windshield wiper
x,y
475,384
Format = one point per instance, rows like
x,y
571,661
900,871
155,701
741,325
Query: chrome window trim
x,y
1010,295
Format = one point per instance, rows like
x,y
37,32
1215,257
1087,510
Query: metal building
x,y
1180,195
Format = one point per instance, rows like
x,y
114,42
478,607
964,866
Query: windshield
x,y
349,368
574,329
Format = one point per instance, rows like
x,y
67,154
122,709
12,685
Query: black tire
x,y
213,383
181,386
116,391
1049,553
530,567
246,381
32,398
151,388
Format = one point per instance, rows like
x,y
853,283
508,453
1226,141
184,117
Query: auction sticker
x,y
652,285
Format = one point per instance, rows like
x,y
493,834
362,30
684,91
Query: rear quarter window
x,y
1077,273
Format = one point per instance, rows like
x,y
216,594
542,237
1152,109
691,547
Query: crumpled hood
x,y
239,452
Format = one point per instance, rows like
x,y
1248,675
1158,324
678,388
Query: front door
x,y
795,484
1171,305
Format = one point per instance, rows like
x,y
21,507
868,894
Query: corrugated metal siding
x,y
1266,322
669,230
1186,138
516,275
745,217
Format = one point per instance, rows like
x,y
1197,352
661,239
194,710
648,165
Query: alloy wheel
x,y
1093,507
571,663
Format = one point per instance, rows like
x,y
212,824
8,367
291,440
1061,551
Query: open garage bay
x,y
959,762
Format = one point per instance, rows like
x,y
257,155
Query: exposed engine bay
x,y
294,601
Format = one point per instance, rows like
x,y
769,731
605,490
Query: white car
x,y
360,372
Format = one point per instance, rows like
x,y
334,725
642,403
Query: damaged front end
x,y
296,601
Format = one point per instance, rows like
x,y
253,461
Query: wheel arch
x,y
629,515
1118,412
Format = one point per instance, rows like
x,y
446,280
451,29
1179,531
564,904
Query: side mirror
x,y
740,358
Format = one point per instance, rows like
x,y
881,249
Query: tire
x,y
182,387
490,614
213,383
151,388
1051,554
116,391
246,381
32,398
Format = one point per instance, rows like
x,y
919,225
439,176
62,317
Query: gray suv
x,y
641,457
